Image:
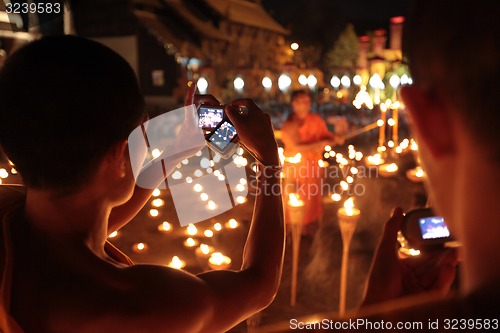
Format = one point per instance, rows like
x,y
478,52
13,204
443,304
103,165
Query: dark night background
x,y
321,21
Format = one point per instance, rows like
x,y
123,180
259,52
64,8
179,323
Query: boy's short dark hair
x,y
452,47
298,92
64,102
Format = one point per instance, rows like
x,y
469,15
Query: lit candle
x,y
413,145
294,159
295,217
204,251
154,212
232,224
416,175
140,247
281,155
241,199
218,261
165,227
374,160
190,242
388,170
217,226
113,234
348,212
176,263
336,197
208,233
211,205
157,202
404,144
295,209
191,230
348,217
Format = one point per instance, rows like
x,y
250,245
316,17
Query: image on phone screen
x,y
433,227
223,135
210,117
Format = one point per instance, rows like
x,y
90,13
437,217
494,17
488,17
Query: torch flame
x,y
348,206
295,159
294,200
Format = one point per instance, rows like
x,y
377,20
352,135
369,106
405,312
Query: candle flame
x,y
375,159
232,224
419,173
218,259
176,263
205,249
157,202
392,167
190,242
192,230
294,200
165,226
349,206
295,159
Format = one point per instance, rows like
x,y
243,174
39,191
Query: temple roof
x,y
248,13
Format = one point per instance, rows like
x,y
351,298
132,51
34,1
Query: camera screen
x,y
223,135
210,117
433,227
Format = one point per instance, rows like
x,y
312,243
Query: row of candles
x,y
216,260
4,173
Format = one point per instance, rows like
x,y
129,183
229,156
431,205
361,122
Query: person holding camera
x,y
68,106
454,61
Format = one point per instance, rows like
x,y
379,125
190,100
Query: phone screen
x,y
223,135
210,117
433,227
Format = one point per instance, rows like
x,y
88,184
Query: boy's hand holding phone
x,y
394,277
241,121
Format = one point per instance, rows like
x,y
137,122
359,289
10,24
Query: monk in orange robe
x,y
306,133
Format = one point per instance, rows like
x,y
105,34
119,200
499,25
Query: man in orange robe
x,y
306,133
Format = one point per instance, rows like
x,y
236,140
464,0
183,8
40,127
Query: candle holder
x,y
295,218
348,217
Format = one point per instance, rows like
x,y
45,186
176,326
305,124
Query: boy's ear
x,y
118,158
431,120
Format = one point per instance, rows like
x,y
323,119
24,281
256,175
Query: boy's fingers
x,y
388,243
206,99
190,93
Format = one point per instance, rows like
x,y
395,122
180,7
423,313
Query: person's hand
x,y
205,99
394,277
254,130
